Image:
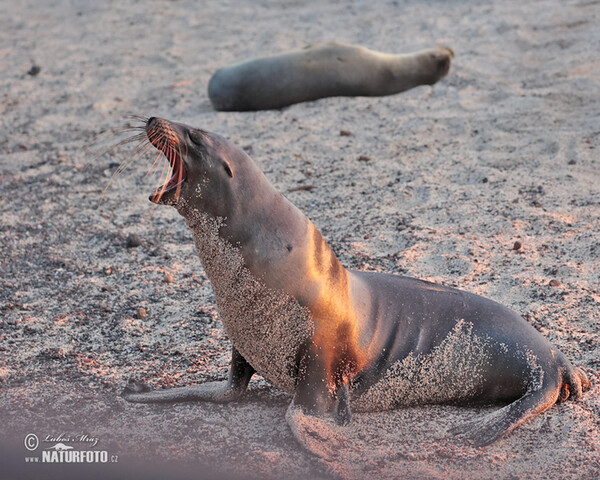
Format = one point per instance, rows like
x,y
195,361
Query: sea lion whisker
x,y
153,166
143,143
156,134
135,116
164,182
126,128
147,146
138,152
143,146
157,139
112,132
160,181
134,138
162,172
130,159
155,156
133,156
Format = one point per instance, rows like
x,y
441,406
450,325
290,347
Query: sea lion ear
x,y
227,168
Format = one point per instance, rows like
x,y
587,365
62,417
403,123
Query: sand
x,y
437,183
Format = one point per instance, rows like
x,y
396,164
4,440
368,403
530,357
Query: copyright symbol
x,y
31,442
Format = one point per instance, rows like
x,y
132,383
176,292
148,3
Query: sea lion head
x,y
203,166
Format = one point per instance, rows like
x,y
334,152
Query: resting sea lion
x,y
335,338
323,70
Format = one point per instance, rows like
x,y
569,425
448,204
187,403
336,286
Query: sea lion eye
x,y
196,137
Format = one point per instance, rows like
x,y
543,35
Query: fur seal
x,y
335,338
323,70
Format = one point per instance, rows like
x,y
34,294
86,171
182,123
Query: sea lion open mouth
x,y
161,134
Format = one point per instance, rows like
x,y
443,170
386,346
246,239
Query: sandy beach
x,y
437,183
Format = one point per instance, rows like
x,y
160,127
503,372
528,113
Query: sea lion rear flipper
x,y
575,382
240,372
486,430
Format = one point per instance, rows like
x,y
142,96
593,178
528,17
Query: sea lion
x,y
323,70
335,338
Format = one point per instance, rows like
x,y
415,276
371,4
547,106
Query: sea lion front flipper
x,y
240,372
316,414
321,436
343,415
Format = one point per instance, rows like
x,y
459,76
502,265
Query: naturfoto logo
x,y
61,452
